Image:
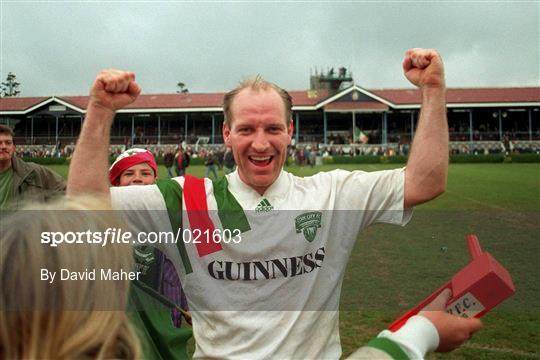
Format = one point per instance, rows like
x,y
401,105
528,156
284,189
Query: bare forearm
x,y
89,165
112,90
427,168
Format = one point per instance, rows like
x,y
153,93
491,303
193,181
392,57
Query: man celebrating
x,y
22,181
275,291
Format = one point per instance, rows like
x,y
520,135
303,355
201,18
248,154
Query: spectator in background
x,y
182,161
506,145
312,156
187,159
228,162
305,155
168,161
20,180
220,155
210,163
299,157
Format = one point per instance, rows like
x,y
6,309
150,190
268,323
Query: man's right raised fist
x,y
113,90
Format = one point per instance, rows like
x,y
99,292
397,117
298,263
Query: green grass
x,y
393,268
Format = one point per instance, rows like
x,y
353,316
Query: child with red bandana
x,y
138,167
133,167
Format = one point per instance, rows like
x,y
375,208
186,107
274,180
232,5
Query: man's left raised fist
x,y
114,89
424,68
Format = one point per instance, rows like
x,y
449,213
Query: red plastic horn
x,y
476,289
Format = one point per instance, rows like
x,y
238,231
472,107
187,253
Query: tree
x,y
182,89
10,87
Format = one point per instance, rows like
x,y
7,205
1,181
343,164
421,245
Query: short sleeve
x,y
378,195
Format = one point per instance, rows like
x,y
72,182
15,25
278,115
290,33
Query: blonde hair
x,y
64,319
256,84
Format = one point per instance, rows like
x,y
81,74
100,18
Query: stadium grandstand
x,y
350,120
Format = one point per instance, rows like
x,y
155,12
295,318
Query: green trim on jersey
x,y
230,212
172,195
389,347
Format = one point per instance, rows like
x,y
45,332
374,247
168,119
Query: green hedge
x,y
364,159
524,158
456,159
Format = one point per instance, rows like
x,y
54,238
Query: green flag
x,y
150,313
360,136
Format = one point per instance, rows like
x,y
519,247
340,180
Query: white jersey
x,y
275,293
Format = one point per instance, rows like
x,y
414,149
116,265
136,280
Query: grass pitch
x,y
393,268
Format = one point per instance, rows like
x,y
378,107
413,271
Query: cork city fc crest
x,y
308,223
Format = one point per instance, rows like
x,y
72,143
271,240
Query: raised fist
x,y
114,89
424,68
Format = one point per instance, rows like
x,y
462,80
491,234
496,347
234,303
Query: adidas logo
x,y
264,206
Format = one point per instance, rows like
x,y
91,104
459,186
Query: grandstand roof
x,y
309,97
361,105
162,101
20,103
302,100
465,96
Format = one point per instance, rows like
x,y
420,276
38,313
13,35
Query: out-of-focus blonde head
x,y
65,319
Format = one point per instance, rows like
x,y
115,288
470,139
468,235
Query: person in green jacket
x,y
22,181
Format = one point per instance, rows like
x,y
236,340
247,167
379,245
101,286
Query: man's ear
x,y
290,131
226,131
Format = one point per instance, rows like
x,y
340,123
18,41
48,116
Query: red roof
x,y
19,103
192,100
308,97
471,95
79,101
161,101
357,105
300,98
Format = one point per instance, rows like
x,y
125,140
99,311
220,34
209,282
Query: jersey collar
x,y
249,198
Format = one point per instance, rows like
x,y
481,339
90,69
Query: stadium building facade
x,y
351,116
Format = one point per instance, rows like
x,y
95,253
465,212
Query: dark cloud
x,y
56,48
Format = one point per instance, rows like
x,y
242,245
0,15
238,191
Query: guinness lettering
x,y
267,269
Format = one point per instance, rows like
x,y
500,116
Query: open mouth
x,y
261,160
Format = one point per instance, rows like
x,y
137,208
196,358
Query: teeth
x,y
260,158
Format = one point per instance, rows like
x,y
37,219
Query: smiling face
x,y
140,174
258,136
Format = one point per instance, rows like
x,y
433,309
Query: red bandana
x,y
128,159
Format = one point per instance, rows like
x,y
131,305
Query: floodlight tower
x,y
330,80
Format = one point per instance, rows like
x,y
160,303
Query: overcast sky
x,y
57,47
